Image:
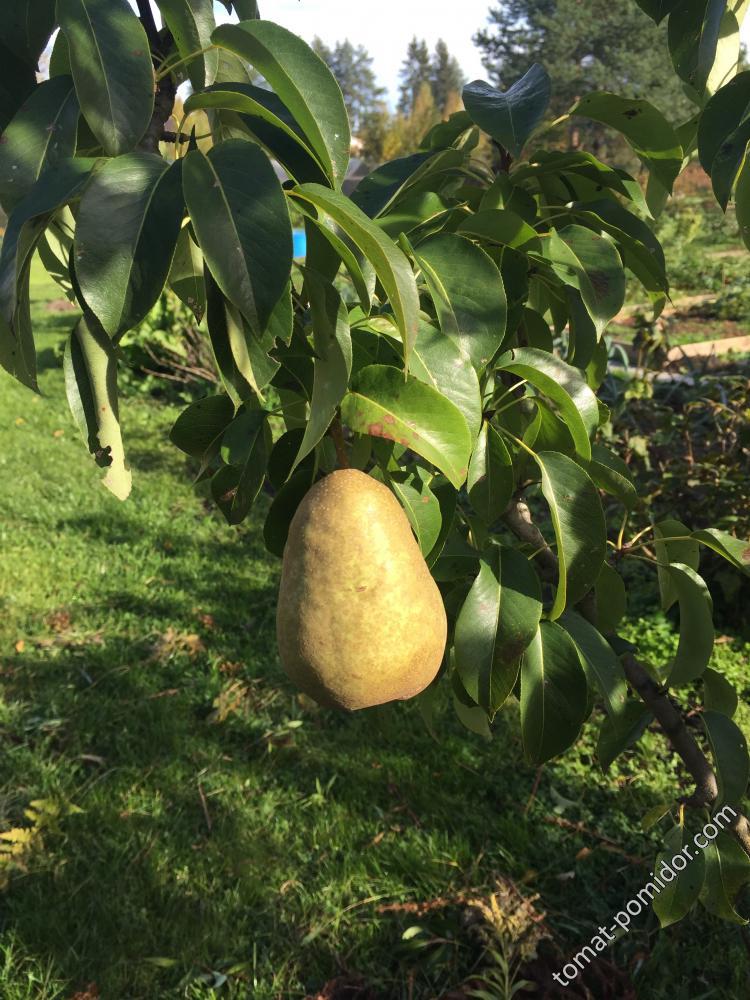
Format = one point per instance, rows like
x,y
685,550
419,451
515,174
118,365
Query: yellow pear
x,y
360,621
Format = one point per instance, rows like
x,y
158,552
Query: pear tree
x,y
444,335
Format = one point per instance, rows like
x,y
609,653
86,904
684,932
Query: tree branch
x,y
518,518
147,20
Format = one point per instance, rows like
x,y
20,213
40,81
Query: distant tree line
x,y
430,89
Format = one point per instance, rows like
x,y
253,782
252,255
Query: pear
x,y
360,621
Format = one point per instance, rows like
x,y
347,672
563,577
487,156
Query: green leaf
x,y
491,480
437,361
269,120
186,274
564,385
122,268
17,83
600,659
734,550
612,475
241,357
25,27
647,131
578,522
383,402
497,622
468,293
390,264
693,36
658,9
111,64
199,429
696,625
611,599
512,116
723,133
718,694
333,362
742,203
302,81
499,226
245,447
39,138
683,551
422,507
17,352
590,263
283,509
731,761
553,694
727,871
676,899
242,223
621,730
376,192
191,23
91,387
282,457
28,221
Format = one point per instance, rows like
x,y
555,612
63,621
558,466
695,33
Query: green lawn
x,y
267,847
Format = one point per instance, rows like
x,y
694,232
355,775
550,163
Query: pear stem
x,y
337,433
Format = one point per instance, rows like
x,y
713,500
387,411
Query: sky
x,y
386,27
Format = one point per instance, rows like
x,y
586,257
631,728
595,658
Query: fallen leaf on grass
x,y
20,646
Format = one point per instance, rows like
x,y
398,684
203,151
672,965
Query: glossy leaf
x,y
499,226
28,221
191,23
735,550
199,429
111,65
122,268
621,730
600,659
658,9
647,131
390,264
25,27
241,357
437,361
680,549
17,351
269,120
333,361
611,599
241,220
91,387
612,475
718,694
729,752
553,694
564,385
245,447
468,294
497,622
283,509
590,263
696,625
385,403
693,36
511,116
681,891
491,480
742,203
420,504
302,81
186,274
579,527
727,871
723,134
40,137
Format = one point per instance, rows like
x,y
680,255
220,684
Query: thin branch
x,y
519,520
337,434
147,20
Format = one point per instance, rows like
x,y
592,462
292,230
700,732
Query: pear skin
x,y
360,621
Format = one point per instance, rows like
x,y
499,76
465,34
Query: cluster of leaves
x,y
436,375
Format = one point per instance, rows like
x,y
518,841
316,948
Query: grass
x,y
233,840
